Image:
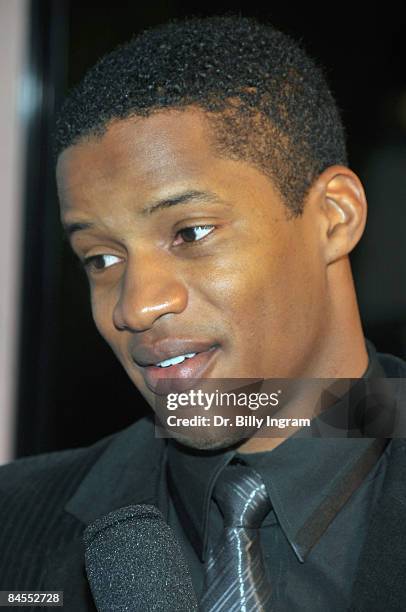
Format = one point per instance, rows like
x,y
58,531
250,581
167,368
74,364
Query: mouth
x,y
177,373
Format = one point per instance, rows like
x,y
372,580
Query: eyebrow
x,y
185,197
71,228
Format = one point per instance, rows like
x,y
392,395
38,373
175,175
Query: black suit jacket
x,y
47,501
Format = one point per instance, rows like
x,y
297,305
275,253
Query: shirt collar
x,y
310,479
332,470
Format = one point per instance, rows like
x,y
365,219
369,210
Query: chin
x,y
217,441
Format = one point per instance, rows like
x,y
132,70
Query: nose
x,y
149,290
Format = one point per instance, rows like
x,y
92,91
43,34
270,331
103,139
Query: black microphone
x,y
134,562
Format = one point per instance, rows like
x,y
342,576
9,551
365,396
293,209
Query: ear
x,y
340,201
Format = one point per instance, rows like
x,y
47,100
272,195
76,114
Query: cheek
x,y
265,290
245,284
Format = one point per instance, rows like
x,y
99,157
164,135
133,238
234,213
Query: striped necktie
x,y
235,578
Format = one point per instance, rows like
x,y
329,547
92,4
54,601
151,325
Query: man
x,y
204,185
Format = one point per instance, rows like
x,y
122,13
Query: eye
x,y
193,234
98,263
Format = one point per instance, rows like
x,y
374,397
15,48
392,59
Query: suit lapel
x,y
379,584
129,471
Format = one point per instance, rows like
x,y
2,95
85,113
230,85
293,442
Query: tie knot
x,y
241,496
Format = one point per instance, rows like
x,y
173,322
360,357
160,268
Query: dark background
x,y
72,390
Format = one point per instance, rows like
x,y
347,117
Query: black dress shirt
x,y
322,492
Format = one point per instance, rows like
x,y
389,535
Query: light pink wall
x,y
13,24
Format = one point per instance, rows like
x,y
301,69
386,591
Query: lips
x,y
167,348
180,376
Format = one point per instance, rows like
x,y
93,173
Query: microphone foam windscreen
x,y
134,562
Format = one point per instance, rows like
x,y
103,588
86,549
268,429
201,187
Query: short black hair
x,y
268,102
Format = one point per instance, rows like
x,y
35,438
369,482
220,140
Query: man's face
x,y
191,254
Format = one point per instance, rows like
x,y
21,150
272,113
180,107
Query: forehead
x,y
147,150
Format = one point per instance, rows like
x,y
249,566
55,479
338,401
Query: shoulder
x,y
34,492
29,475
51,478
